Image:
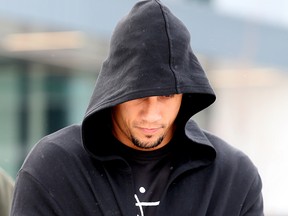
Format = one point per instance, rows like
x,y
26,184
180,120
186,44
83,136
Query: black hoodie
x,y
76,171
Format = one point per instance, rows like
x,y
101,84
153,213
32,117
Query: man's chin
x,y
147,143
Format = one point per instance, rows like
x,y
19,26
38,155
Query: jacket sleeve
x,y
31,198
253,205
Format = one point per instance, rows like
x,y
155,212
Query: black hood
x,y
149,55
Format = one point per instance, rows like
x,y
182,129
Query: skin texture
x,y
146,123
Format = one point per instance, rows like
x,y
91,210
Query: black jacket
x,y
75,171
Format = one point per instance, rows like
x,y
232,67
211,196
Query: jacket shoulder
x,y
230,157
237,171
54,150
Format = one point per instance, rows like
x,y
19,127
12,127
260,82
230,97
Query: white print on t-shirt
x,y
141,204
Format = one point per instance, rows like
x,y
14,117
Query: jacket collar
x,y
194,144
194,133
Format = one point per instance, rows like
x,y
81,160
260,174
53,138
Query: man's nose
x,y
152,109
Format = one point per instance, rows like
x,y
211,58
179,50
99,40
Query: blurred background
x,y
51,53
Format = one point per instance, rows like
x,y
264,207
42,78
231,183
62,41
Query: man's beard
x,y
146,145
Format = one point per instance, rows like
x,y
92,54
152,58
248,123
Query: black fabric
x,y
150,172
60,178
77,171
150,54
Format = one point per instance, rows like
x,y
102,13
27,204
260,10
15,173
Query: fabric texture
x,y
76,170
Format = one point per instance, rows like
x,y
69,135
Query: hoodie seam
x,y
171,59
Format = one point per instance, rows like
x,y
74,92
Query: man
x,y
6,191
137,152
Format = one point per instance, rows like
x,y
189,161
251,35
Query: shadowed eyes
x,y
168,96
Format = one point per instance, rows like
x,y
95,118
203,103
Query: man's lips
x,y
149,130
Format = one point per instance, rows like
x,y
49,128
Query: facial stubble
x,y
145,145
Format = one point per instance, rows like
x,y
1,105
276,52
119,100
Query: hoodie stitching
x,y
171,59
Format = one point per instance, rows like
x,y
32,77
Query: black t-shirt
x,y
151,170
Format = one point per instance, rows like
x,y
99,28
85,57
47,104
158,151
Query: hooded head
x,y
150,55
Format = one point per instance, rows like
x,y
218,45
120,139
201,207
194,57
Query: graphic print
x,y
144,204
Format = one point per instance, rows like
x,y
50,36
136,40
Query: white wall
x,y
251,113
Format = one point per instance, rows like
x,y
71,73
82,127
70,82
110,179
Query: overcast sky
x,y
273,11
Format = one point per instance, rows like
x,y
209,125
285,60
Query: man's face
x,y
146,123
